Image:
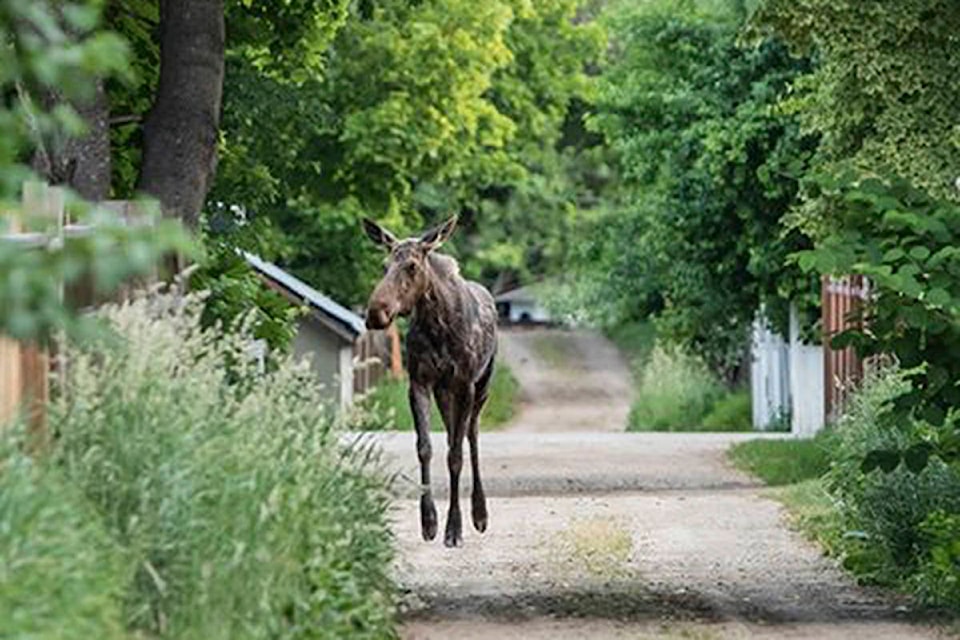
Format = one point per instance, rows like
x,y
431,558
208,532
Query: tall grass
x,y
61,576
239,512
674,392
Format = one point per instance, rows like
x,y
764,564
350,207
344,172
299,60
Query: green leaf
x,y
917,456
885,460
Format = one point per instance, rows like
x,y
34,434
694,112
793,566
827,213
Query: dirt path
x,y
618,535
569,380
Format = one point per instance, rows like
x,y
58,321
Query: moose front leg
x,y
420,407
460,411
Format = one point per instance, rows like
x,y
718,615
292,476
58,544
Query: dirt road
x,y
615,535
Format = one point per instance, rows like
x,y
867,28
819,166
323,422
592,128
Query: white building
x,y
522,306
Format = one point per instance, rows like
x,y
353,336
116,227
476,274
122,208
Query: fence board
x,y
842,300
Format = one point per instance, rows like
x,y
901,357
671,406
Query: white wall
x,y
806,383
534,311
331,358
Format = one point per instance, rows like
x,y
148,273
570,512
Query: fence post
x,y
24,374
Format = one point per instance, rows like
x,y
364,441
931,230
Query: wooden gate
x,y
843,370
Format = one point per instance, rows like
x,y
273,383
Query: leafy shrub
x,y
732,412
938,579
886,513
674,392
242,514
60,574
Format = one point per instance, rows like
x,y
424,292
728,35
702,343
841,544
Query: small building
x,y
327,334
523,305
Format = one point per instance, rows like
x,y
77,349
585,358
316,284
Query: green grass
x,y
731,412
674,392
387,408
782,462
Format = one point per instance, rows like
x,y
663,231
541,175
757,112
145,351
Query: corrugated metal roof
x,y
347,319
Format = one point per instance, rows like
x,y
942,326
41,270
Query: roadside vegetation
x,y
673,389
189,495
895,528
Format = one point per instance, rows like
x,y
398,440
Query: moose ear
x,y
378,234
438,235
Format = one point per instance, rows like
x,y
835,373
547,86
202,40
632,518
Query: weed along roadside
x,y
893,529
189,495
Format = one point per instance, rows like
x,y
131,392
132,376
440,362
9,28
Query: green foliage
x,y
387,407
732,412
635,340
937,581
787,461
905,242
674,392
711,167
883,95
61,576
228,489
418,110
59,47
47,47
886,512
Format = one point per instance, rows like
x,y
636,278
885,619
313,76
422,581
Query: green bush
x,y
885,511
938,579
732,412
61,576
674,392
387,408
240,511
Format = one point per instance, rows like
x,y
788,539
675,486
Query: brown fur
x,y
451,346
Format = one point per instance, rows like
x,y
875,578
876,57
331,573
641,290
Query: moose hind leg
x,y
420,407
478,500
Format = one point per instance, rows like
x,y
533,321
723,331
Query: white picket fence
x,y
787,379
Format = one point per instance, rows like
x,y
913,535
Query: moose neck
x,y
436,308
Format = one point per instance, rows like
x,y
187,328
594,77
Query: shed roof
x,y
529,293
338,318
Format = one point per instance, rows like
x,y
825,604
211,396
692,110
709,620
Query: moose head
x,y
407,272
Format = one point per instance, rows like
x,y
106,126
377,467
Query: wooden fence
x,y
375,354
25,367
842,300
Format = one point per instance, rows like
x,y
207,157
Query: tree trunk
x,y
82,163
180,133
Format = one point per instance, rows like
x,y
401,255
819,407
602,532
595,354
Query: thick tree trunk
x,y
180,133
82,163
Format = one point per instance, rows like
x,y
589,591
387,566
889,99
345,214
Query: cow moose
x,y
451,347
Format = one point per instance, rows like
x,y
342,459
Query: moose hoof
x,y
454,534
453,539
428,519
479,517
